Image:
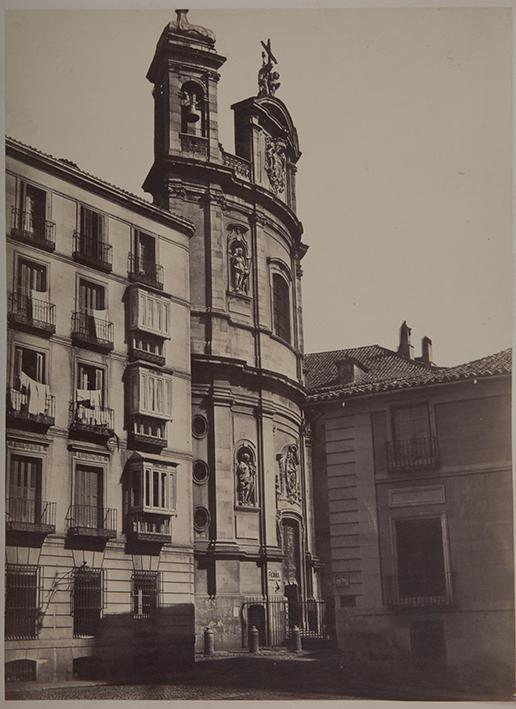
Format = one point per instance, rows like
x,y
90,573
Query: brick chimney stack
x,y
405,349
426,351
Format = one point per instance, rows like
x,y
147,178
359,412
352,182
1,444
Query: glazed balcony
x,y
34,516
91,521
92,332
94,423
149,527
420,591
31,411
92,251
30,229
145,348
148,274
31,314
412,454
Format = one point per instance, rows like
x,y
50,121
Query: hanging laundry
x,y
99,318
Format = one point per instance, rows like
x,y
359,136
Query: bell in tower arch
x,y
192,109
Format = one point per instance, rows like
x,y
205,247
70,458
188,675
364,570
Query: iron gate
x,y
274,622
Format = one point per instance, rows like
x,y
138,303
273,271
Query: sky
x,y
404,122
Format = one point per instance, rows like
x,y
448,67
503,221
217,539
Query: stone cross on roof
x,y
267,78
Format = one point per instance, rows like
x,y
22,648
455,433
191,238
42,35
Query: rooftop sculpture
x,y
267,78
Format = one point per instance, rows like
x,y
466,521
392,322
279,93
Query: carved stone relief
x,y
239,262
276,164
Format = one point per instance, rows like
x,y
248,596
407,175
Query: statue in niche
x,y
289,463
268,82
246,478
275,164
239,268
181,26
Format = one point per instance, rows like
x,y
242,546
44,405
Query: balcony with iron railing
x,y
33,410
420,591
92,251
91,422
92,332
412,454
148,527
91,521
35,516
32,229
141,271
32,314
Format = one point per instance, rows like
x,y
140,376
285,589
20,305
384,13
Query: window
x,y
150,393
92,296
153,487
92,225
21,671
421,561
90,385
31,277
413,445
32,209
88,494
87,600
22,587
30,395
145,592
24,501
144,253
281,307
91,317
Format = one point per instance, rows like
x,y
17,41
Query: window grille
x,y
146,588
87,600
20,671
22,601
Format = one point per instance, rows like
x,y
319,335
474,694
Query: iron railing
x,y
412,453
89,328
92,250
92,417
420,591
18,406
87,600
22,601
276,618
36,513
144,272
33,229
92,517
34,312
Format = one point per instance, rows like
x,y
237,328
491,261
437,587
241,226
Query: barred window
x,y
146,592
22,595
88,589
281,307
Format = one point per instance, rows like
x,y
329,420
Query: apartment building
x,y
414,494
99,561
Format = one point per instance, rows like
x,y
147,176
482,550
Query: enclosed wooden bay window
x,y
150,499
148,321
149,406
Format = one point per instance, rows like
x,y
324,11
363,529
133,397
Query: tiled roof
x,y
71,166
386,370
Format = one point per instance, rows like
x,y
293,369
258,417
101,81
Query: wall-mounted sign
x,y
273,575
342,579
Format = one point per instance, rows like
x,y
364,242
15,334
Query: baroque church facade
x,y
253,535
158,468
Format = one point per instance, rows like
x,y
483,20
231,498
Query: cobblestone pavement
x,y
240,677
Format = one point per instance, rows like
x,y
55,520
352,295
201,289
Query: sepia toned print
x,y
195,506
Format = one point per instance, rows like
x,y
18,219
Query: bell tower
x,y
184,72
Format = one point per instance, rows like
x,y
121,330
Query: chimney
x,y
405,349
349,370
426,351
